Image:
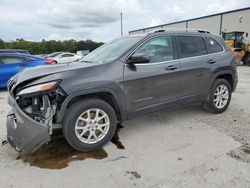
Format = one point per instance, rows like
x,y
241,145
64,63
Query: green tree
x,y
2,44
46,47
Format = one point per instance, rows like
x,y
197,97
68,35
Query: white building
x,y
235,20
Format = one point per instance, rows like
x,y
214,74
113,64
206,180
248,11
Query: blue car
x,y
12,63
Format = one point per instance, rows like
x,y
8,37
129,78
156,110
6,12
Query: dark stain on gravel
x,y
57,154
116,140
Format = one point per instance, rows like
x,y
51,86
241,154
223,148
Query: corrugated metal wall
x,y
238,20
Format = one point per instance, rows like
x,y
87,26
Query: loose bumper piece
x,y
24,133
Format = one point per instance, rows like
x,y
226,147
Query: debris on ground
x,y
134,174
242,153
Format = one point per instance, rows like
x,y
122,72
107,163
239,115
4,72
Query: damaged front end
x,y
34,112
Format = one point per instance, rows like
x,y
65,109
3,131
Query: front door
x,y
153,85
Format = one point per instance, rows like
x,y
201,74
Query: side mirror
x,y
138,58
246,34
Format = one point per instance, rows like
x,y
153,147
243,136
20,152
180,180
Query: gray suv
x,y
124,78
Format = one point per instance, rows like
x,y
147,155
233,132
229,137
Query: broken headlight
x,y
38,88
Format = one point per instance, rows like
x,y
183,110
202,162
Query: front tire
x,y
219,97
89,124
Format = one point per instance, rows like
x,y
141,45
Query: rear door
x,y
194,67
215,51
9,66
153,85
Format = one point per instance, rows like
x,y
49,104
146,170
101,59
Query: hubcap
x,y
92,126
221,96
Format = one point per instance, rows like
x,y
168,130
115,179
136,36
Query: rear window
x,y
190,46
67,55
11,60
213,46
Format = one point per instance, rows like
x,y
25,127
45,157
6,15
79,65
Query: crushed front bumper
x,y
24,133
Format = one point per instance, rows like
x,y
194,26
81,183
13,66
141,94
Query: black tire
x,y
210,104
246,59
74,111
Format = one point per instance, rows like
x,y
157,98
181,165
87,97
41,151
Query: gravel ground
x,y
179,148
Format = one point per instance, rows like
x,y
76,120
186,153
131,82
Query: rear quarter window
x,y
213,46
191,46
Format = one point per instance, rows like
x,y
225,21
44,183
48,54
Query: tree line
x,y
47,47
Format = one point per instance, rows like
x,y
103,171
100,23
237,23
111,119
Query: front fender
x,y
117,94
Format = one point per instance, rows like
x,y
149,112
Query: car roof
x,y
13,50
57,52
180,31
234,32
67,53
186,32
19,55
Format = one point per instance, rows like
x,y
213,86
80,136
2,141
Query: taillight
x,y
237,57
50,61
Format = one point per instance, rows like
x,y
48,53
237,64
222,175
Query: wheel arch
x,y
106,95
227,73
228,77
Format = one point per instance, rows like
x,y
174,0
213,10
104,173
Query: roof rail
x,y
183,29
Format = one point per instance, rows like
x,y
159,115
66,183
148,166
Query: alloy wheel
x,y
92,126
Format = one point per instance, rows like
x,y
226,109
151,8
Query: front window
x,y
159,49
111,50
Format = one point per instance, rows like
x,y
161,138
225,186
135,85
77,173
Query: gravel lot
x,y
179,148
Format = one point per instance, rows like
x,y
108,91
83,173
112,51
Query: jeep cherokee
x,y
122,79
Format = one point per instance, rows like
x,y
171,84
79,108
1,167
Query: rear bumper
x,y
24,133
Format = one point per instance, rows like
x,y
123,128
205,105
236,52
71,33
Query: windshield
x,y
111,50
229,36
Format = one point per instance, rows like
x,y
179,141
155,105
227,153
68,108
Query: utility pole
x,y
121,25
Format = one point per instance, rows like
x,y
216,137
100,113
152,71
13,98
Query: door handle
x,y
171,67
211,61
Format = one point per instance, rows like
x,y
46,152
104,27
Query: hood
x,y
45,70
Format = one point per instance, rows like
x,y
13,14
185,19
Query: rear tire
x,y
219,97
246,59
89,124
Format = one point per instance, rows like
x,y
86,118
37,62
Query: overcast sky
x,y
97,19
